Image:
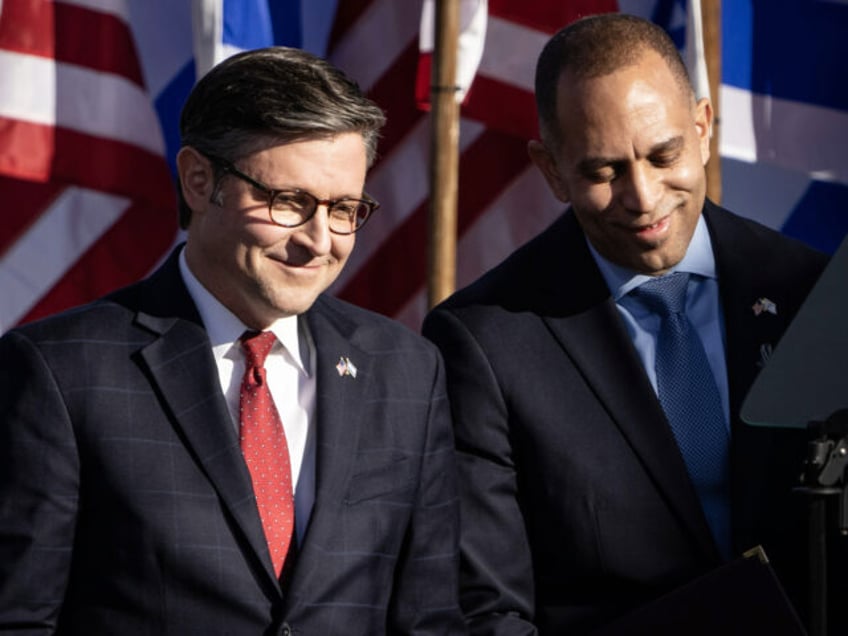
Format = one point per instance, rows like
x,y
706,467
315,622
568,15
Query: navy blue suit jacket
x,y
126,506
576,504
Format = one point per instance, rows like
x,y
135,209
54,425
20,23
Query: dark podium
x,y
805,385
741,598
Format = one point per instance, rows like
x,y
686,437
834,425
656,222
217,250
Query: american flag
x,y
87,201
90,92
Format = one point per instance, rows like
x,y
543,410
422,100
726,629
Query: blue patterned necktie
x,y
689,396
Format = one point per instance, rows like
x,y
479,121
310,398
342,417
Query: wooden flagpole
x,y
711,16
444,155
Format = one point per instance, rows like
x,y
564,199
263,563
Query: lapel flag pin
x,y
346,367
764,305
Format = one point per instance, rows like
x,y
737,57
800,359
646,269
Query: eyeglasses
x,y
291,208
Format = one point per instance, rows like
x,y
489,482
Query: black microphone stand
x,y
824,477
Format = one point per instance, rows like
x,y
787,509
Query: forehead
x,y
338,159
636,102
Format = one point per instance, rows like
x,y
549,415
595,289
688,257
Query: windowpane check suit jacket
x,y
126,506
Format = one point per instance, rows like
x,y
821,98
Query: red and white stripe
x,y
81,153
81,157
503,201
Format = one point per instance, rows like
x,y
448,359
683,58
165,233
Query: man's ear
x,y
546,164
197,178
704,127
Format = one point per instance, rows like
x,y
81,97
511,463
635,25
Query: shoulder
x,y
754,261
730,227
526,264
553,274
101,324
83,322
749,244
62,349
368,329
386,351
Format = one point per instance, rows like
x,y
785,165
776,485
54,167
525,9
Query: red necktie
x,y
263,444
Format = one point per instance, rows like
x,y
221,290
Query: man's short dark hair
x,y
273,96
594,46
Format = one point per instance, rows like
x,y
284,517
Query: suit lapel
x,y
598,345
182,369
339,412
749,338
339,401
592,333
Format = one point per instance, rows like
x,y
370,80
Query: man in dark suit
x,y
135,497
577,502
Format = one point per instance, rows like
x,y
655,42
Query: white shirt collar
x,y
224,328
699,259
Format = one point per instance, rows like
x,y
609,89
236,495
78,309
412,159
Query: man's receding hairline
x,y
579,76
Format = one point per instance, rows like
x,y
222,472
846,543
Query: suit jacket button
x,y
285,630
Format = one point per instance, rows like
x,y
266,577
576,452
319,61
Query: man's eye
x,y
291,201
601,176
662,161
345,208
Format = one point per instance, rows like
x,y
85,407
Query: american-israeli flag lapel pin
x,y
764,305
346,367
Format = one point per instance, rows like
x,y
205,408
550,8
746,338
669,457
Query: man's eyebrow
x,y
593,164
675,143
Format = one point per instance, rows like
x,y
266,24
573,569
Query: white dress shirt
x,y
291,379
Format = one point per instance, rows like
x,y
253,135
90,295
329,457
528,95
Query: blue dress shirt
x,y
703,307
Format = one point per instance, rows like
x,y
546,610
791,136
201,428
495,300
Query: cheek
x,y
593,199
342,246
259,231
688,176
591,220
257,234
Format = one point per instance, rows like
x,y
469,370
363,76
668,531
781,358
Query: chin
x,y
655,266
295,306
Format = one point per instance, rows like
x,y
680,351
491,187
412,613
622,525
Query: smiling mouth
x,y
654,230
310,265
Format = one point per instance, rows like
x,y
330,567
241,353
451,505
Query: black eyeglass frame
x,y
370,204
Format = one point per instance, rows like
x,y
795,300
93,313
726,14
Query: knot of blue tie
x,y
665,295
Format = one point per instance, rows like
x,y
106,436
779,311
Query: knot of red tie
x,y
257,345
